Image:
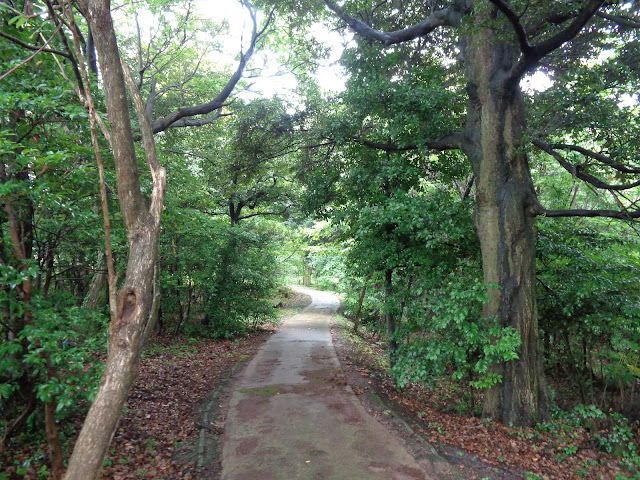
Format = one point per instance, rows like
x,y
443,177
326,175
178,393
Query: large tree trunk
x,y
504,220
135,298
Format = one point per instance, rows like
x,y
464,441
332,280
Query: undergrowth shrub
x,y
59,351
609,432
445,331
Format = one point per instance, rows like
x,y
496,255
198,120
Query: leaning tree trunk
x,y
504,220
135,298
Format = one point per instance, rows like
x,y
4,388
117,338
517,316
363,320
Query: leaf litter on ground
x,y
175,374
558,454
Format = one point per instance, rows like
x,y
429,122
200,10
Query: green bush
x,y
59,352
445,332
237,297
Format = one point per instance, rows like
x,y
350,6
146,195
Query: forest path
x,y
293,416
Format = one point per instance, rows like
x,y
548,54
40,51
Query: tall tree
x,y
499,43
135,297
48,229
142,224
252,175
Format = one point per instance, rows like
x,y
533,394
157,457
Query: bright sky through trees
x,y
329,75
274,79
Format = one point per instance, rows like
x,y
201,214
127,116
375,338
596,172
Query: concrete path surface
x,y
292,415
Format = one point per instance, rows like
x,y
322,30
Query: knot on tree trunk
x,y
126,315
128,303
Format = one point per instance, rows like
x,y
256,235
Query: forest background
x,y
483,229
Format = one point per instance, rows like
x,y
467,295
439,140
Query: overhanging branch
x,y
578,173
199,122
596,156
620,20
449,16
219,101
260,214
622,215
532,54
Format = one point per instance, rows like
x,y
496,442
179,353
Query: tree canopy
x,y
484,225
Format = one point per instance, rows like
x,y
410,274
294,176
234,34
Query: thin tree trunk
x,y
160,324
388,278
48,270
136,295
404,299
53,436
573,372
155,303
179,300
97,296
586,358
28,410
391,323
189,301
356,321
306,276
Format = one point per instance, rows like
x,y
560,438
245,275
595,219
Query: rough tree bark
x,y
142,226
504,219
506,204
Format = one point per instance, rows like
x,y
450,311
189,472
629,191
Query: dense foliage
x,y
49,247
352,191
53,290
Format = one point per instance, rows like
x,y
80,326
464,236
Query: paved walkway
x,y
292,415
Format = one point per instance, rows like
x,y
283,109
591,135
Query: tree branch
x,y
514,20
157,171
38,50
533,53
33,47
199,122
622,215
576,172
467,190
218,102
449,16
596,156
620,20
257,214
549,45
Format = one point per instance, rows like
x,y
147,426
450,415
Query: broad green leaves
x,y
589,301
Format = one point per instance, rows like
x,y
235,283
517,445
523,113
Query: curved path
x,y
292,415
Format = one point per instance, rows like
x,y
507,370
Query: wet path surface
x,y
292,415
